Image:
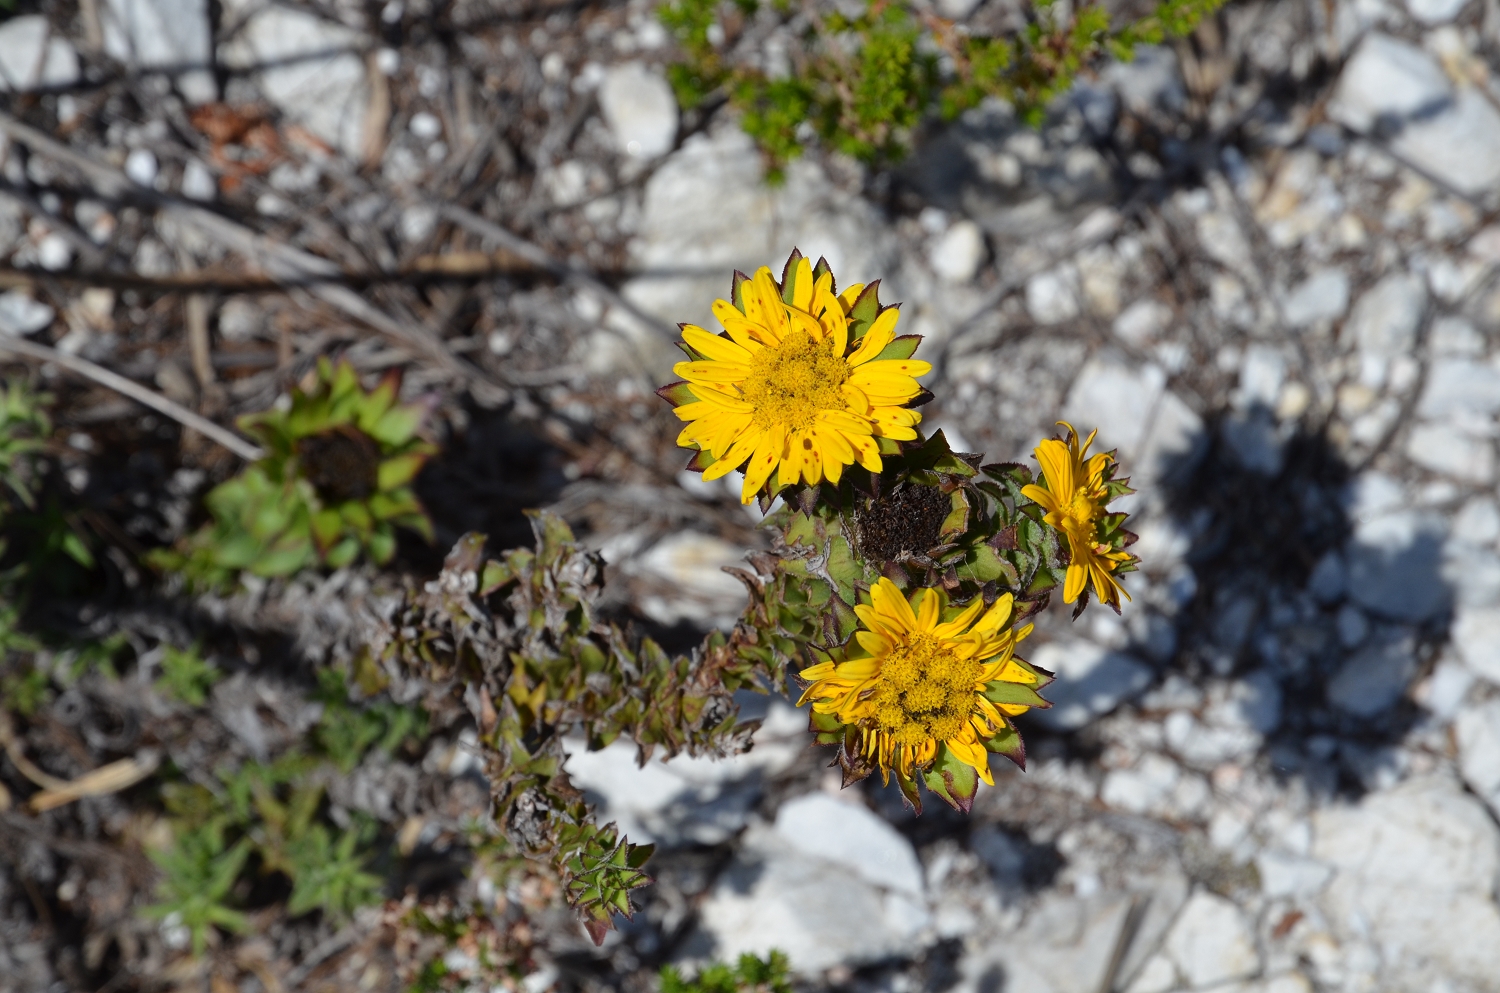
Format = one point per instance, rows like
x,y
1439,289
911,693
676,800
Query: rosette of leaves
x,y
335,482
514,644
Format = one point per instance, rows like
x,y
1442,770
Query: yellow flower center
x,y
925,691
790,382
1080,515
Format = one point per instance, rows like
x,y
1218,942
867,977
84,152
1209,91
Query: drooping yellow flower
x,y
1074,499
924,682
783,391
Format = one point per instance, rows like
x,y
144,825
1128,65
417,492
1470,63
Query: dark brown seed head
x,y
342,463
906,520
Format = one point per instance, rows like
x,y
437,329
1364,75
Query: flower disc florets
x,y
924,682
803,381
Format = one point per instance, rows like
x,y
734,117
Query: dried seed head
x,y
342,464
909,519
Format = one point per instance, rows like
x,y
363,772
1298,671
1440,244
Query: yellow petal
x,y
715,348
888,600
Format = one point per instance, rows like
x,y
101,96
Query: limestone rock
x,y
1211,942
640,109
1415,872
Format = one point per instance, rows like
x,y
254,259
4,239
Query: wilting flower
x,y
926,683
1074,498
791,391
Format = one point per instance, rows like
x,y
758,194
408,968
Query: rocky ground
x,y
1265,263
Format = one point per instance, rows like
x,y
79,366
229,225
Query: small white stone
x,y
1477,732
957,253
1052,297
640,109
1143,789
1140,323
1374,678
1453,453
1211,942
1352,625
848,834
1285,875
1323,296
1435,11
1092,681
1476,636
1386,78
140,166
21,315
1444,692
54,252
30,57
1385,319
197,182
426,126
164,33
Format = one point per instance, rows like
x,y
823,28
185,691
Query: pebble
x,y
1395,565
314,74
1386,317
1415,869
640,109
1373,678
1476,637
1052,297
22,40
197,182
1211,942
1435,11
1092,681
1323,296
1477,732
164,33
958,252
692,584
849,834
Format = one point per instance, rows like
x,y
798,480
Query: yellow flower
x,y
924,682
785,393
1074,500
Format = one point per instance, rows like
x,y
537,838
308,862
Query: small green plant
x,y
198,872
751,974
24,428
329,875
185,675
335,482
859,84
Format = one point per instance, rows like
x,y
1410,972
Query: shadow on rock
x,y
1320,599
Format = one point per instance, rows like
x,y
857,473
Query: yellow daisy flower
x,y
926,682
1074,499
784,392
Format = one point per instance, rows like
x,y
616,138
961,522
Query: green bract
x,y
335,481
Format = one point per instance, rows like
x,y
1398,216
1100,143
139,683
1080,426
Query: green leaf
x,y
400,470
900,348
677,394
1014,693
327,525
866,308
382,544
397,425
952,779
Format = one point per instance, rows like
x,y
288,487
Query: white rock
x,y
1385,319
1459,388
31,57
1204,745
1477,732
1140,323
1387,78
1453,453
1223,240
1402,91
140,166
1415,869
21,315
693,585
708,202
1373,678
640,109
819,913
849,834
1323,296
1119,399
957,253
1395,565
315,75
1444,692
1476,636
150,33
698,800
1284,875
1052,296
1435,11
54,252
1144,789
1065,944
197,182
1454,336
1091,681
1211,942
1262,373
